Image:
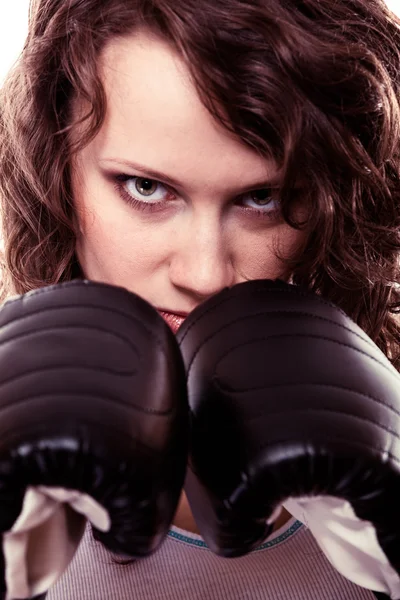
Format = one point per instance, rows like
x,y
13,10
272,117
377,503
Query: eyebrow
x,y
153,174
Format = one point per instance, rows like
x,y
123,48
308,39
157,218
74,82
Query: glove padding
x,y
93,425
290,399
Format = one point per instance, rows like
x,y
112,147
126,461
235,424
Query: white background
x,y
13,25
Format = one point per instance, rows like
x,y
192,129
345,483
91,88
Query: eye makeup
x,y
142,201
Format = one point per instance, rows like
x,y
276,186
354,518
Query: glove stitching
x,y
323,410
65,284
27,333
113,311
299,313
365,339
250,292
110,399
311,383
388,366
93,284
37,428
328,438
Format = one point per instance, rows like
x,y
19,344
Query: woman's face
x,y
170,205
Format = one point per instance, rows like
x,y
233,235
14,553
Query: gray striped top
x,y
289,565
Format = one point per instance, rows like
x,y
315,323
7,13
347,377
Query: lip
x,y
178,313
174,320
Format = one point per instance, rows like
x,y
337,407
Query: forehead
x,y
155,117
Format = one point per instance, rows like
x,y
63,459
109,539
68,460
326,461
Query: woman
x,y
177,148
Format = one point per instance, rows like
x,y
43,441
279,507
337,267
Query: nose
x,y
201,264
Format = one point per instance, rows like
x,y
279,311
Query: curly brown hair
x,y
312,84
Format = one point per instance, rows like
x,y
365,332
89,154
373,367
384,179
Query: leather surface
x,y
288,398
93,398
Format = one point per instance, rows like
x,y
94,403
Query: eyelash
x,y
159,205
135,202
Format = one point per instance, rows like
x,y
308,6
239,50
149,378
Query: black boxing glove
x,y
93,425
290,399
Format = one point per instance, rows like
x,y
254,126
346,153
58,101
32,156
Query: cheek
x,y
113,244
263,255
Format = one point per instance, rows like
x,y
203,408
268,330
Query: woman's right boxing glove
x,y
293,404
93,425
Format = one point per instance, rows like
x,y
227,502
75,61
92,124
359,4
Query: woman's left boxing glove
x,y
93,425
291,402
